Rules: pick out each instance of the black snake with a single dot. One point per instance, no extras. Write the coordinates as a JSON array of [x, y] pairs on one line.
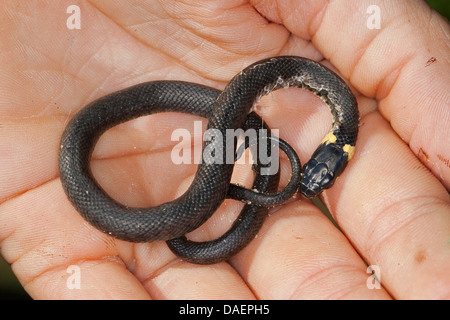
[[229, 109]]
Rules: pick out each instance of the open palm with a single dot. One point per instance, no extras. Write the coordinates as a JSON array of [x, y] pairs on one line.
[[391, 203]]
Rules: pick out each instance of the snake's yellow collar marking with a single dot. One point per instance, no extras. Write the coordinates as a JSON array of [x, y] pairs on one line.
[[329, 138], [349, 150]]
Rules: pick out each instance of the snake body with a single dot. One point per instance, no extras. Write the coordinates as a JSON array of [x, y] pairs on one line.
[[228, 109]]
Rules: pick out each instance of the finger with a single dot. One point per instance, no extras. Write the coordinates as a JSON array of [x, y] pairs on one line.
[[41, 90], [395, 212], [403, 65], [300, 254], [57, 255]]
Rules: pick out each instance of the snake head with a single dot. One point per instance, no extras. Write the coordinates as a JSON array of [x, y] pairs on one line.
[[320, 172]]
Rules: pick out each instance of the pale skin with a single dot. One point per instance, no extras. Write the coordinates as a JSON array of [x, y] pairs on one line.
[[391, 203]]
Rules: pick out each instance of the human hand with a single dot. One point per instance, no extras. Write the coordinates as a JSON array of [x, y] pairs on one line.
[[393, 212]]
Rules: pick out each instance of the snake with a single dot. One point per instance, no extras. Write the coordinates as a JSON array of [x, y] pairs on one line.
[[224, 110]]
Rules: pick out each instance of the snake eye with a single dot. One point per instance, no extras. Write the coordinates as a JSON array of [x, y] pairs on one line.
[[315, 179]]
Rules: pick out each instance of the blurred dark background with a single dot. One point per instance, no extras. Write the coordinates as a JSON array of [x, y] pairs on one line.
[[10, 287]]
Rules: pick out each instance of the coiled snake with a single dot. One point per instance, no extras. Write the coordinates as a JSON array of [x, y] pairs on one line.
[[229, 109]]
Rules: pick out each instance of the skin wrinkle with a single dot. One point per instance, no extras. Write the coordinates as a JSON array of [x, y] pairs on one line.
[[142, 200], [185, 268], [132, 153], [203, 74], [330, 55], [62, 110], [55, 268], [417, 133], [270, 232], [374, 244], [398, 68], [29, 75], [40, 246], [275, 7], [13, 261], [235, 52], [84, 65], [208, 11], [322, 274], [54, 273], [128, 29], [443, 39], [84, 192]]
